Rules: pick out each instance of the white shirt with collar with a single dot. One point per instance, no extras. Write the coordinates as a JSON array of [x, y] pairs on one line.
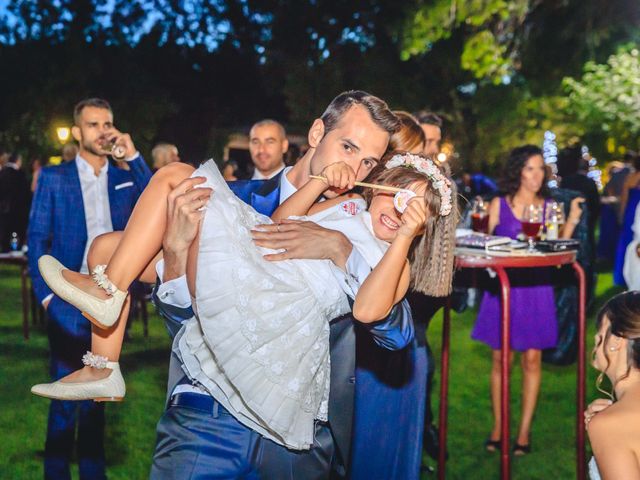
[[176, 293], [95, 197], [257, 174]]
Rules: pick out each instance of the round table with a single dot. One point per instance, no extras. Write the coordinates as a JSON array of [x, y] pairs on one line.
[[475, 258]]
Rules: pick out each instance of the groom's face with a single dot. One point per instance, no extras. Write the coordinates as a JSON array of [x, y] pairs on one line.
[[356, 140]]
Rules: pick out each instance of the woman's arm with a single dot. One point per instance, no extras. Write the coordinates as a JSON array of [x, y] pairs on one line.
[[387, 284], [338, 175], [300, 202], [575, 212], [494, 214]]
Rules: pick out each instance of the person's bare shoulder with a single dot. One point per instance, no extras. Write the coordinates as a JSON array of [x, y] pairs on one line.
[[613, 437], [620, 422]]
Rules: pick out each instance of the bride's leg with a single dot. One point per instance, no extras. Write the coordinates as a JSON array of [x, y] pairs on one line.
[[108, 343], [142, 238]]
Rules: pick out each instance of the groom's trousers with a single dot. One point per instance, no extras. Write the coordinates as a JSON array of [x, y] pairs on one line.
[[199, 439]]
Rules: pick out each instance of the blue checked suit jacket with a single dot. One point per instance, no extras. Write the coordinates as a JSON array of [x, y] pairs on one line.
[[57, 224]]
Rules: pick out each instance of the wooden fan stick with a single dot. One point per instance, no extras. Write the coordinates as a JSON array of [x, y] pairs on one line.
[[370, 185]]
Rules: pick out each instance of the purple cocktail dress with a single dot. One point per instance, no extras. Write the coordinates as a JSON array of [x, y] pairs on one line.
[[533, 310]]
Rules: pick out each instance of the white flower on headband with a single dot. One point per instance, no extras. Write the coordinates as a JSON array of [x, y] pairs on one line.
[[440, 183]]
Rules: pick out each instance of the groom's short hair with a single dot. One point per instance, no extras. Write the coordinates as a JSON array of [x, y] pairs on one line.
[[89, 102], [377, 108]]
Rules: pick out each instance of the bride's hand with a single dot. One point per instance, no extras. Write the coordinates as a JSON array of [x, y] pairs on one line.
[[594, 407], [339, 176], [413, 218]]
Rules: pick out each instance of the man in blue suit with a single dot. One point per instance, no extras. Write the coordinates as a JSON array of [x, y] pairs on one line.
[[73, 203], [197, 437]]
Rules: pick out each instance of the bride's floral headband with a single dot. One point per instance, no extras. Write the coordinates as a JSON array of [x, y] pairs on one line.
[[433, 173]]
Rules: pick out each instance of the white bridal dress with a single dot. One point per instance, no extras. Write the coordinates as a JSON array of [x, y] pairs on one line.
[[260, 340]]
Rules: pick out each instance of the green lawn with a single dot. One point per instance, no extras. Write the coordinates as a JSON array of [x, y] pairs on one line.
[[131, 425]]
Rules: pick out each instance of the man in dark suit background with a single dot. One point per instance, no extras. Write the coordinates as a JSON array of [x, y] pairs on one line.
[[268, 145], [15, 198], [355, 129], [73, 203]]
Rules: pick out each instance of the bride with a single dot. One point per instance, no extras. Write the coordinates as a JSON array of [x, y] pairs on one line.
[[614, 431]]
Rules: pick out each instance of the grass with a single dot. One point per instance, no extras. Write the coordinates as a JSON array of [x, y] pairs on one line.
[[131, 425], [130, 432]]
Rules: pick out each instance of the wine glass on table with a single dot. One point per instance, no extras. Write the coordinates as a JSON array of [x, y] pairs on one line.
[[531, 223], [479, 215]]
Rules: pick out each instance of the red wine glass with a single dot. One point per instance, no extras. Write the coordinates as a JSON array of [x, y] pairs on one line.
[[479, 215], [531, 223]]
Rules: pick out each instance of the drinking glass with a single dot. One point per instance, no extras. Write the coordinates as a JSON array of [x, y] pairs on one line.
[[531, 223], [554, 219], [111, 147], [479, 215]]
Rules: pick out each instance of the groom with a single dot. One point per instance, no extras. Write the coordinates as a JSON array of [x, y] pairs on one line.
[[196, 435]]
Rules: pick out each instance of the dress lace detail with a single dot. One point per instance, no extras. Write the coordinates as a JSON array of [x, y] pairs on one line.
[[260, 344], [594, 473]]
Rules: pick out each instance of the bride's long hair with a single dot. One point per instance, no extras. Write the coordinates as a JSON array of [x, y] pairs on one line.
[[432, 253]]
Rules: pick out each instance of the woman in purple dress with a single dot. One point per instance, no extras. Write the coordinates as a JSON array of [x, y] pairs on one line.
[[533, 313]]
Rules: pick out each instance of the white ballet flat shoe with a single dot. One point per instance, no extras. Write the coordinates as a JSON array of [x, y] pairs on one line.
[[109, 389], [102, 313]]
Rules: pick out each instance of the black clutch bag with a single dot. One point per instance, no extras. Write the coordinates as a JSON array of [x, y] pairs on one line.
[[557, 245]]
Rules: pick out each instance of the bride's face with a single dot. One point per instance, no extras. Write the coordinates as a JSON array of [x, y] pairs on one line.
[[385, 219]]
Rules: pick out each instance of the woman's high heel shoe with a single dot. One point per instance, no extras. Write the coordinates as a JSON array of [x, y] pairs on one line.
[[109, 389], [492, 445], [521, 450], [102, 313]]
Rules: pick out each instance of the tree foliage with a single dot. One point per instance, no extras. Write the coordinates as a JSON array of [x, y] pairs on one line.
[[492, 29], [607, 97], [189, 71]]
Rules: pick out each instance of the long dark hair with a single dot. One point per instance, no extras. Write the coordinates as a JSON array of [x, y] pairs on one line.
[[511, 178], [623, 312]]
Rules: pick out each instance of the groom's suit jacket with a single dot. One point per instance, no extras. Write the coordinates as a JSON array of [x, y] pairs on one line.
[[394, 333]]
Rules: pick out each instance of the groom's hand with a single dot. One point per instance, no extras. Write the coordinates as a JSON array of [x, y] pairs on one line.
[[184, 212], [301, 239]]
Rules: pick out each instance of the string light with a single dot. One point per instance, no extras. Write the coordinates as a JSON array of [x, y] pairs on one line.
[[550, 155], [593, 172]]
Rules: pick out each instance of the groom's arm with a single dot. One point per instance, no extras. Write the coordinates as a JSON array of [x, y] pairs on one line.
[[396, 331], [308, 240], [171, 295]]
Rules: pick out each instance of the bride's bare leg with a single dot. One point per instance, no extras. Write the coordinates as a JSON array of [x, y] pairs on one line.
[[108, 343], [142, 238]]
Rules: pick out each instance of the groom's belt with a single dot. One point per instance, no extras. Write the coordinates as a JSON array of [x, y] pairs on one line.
[[197, 401]]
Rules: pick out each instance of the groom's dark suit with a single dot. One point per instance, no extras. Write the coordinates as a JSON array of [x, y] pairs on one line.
[[332, 441]]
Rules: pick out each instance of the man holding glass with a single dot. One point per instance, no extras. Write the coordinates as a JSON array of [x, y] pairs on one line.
[[75, 202]]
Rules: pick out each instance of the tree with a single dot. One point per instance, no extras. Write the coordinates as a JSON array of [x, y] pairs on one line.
[[607, 98]]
